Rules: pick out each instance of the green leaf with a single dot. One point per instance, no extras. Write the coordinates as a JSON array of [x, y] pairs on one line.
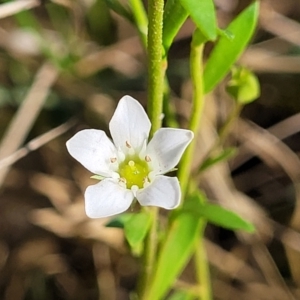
[[136, 228], [244, 86], [226, 51], [119, 221], [203, 14], [175, 252], [26, 19], [198, 38], [223, 156], [219, 216], [226, 34], [174, 17], [225, 218], [181, 295], [100, 24], [121, 10]]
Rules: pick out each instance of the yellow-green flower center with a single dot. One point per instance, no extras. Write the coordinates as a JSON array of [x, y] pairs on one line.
[[135, 171]]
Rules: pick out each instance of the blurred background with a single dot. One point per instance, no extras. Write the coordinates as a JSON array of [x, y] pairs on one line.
[[64, 64]]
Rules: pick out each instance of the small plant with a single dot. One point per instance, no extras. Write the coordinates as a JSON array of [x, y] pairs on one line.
[[130, 169]]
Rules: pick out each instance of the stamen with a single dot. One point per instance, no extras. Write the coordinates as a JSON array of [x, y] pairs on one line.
[[121, 179], [134, 170], [122, 182], [147, 158], [146, 182], [113, 160], [128, 145]]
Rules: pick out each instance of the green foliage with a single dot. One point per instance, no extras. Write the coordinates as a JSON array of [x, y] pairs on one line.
[[181, 295], [176, 12], [226, 51], [71, 43], [100, 23], [26, 19], [216, 214], [119, 221], [135, 225], [226, 34], [136, 228], [223, 156], [225, 218], [182, 237], [121, 10], [198, 38], [203, 14], [58, 15], [174, 17], [176, 251], [243, 86]]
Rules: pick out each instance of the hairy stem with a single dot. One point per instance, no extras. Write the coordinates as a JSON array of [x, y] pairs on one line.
[[156, 72], [156, 65]]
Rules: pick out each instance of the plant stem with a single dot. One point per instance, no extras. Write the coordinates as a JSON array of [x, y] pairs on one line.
[[149, 257], [223, 132], [156, 66], [233, 116], [141, 20], [202, 267], [156, 72], [196, 67]]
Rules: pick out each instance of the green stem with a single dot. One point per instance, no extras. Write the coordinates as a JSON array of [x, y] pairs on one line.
[[156, 66], [149, 256], [141, 20], [201, 263], [202, 267], [196, 66], [156, 72], [223, 132]]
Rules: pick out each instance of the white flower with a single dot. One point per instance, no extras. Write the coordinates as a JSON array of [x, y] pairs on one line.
[[130, 167]]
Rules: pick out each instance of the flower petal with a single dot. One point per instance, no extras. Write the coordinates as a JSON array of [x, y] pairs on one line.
[[163, 192], [93, 149], [166, 148], [106, 198], [129, 125]]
